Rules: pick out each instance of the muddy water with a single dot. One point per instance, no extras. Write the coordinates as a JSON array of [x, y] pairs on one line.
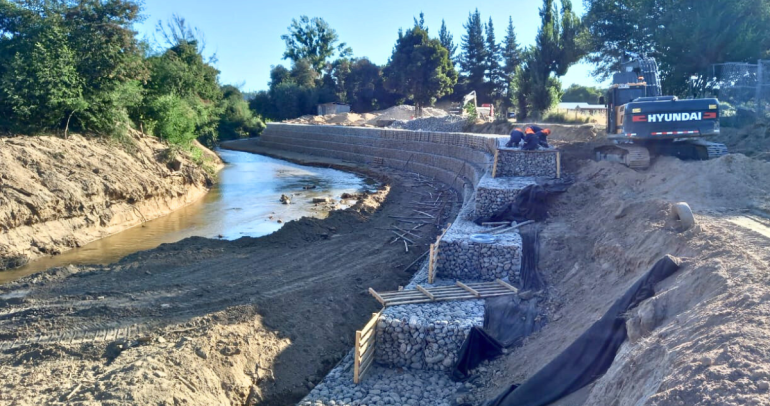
[[244, 202]]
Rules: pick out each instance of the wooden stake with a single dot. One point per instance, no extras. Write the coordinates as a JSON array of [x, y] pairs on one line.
[[431, 259], [494, 166], [357, 359], [558, 165]]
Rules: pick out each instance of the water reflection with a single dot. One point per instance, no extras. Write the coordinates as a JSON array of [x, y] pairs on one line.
[[244, 202]]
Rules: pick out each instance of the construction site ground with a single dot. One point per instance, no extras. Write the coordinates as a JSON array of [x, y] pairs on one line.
[[259, 321]]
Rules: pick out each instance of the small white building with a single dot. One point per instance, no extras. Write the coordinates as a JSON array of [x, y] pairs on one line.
[[583, 108]]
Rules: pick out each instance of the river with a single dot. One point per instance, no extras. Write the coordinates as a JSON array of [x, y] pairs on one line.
[[244, 202]]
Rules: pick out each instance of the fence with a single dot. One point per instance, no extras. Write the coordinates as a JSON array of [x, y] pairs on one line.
[[364, 350], [742, 85]]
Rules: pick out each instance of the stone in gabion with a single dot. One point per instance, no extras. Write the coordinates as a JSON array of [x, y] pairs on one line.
[[516, 162], [493, 194], [425, 336]]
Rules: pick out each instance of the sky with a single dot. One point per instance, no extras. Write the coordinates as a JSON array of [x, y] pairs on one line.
[[246, 35]]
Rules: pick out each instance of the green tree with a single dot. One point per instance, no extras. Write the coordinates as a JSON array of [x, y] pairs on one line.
[[365, 87], [511, 54], [237, 120], [447, 41], [685, 36], [494, 74], [473, 55], [302, 73], [582, 94], [558, 46], [313, 40], [419, 68]]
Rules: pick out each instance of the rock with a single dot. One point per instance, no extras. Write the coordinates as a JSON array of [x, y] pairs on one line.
[[320, 200], [199, 352], [160, 339], [285, 199], [763, 386]]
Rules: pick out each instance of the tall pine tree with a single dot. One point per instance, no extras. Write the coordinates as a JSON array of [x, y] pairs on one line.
[[473, 58], [447, 41], [511, 52], [494, 78], [511, 62]]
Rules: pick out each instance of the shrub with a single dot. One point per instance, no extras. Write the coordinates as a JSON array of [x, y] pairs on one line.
[[171, 118]]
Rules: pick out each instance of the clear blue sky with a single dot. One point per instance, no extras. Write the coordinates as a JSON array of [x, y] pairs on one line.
[[246, 34]]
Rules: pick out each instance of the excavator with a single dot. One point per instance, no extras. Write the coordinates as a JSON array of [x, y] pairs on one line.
[[641, 122]]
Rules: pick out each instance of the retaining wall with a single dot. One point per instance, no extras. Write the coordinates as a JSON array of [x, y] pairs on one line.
[[425, 336], [539, 163], [493, 194], [456, 159]]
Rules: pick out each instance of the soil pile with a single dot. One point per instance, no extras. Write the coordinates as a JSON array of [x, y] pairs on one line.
[[56, 194], [368, 119], [754, 140], [701, 339]]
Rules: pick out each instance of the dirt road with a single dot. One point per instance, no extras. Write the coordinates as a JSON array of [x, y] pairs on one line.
[[252, 321]]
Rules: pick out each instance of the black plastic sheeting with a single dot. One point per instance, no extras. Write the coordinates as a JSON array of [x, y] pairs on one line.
[[530, 253], [507, 322], [530, 204], [591, 355]]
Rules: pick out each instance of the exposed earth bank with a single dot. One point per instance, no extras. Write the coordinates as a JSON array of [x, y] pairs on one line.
[[204, 322], [57, 194]]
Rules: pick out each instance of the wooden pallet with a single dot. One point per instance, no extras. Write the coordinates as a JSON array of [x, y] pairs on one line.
[[459, 291]]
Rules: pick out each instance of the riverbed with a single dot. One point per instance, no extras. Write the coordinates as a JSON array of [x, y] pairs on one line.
[[245, 201]]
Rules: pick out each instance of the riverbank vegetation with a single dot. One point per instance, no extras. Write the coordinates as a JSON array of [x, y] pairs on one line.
[[69, 66]]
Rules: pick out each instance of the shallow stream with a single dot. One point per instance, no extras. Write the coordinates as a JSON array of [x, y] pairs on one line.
[[244, 202]]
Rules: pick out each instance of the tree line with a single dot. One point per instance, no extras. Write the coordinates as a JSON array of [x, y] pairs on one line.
[[79, 66]]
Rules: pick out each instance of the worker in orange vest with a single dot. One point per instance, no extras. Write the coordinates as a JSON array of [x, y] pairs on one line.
[[516, 137]]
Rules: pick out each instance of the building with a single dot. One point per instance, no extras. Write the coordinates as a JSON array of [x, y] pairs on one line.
[[333, 108], [583, 108]]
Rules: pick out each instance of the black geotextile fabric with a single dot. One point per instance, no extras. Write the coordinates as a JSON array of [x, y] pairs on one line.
[[530, 252], [529, 204], [507, 322], [591, 355]]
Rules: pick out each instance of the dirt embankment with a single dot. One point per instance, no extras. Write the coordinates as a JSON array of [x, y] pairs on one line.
[[204, 322], [57, 194], [702, 339]]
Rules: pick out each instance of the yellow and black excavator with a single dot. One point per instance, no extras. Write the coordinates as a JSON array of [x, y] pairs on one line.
[[642, 122]]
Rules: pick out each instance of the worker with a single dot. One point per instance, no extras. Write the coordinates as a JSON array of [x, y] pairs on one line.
[[516, 137], [542, 138], [531, 140], [541, 134]]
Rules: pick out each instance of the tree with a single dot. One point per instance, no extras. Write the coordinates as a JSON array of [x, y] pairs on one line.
[[447, 41], [511, 54], [421, 22], [278, 75], [686, 36], [419, 68], [511, 51], [558, 46], [494, 74], [473, 58], [313, 40], [582, 94], [302, 73], [237, 120]]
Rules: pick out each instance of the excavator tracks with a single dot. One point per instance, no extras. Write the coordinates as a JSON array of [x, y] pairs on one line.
[[633, 156]]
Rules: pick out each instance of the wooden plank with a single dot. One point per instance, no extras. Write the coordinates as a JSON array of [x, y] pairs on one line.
[[376, 296], [371, 323], [494, 166], [474, 292], [507, 286], [356, 362], [365, 367], [558, 165], [431, 260], [367, 343], [426, 293]]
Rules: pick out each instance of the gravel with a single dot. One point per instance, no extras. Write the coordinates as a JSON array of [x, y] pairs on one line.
[[516, 162], [384, 386]]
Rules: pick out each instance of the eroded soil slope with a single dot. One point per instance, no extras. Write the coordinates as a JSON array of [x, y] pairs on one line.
[[703, 339], [56, 194]]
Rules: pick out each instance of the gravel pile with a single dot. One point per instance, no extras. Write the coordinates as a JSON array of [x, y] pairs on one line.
[[493, 194], [383, 386], [450, 124], [405, 112], [426, 336], [515, 162]]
